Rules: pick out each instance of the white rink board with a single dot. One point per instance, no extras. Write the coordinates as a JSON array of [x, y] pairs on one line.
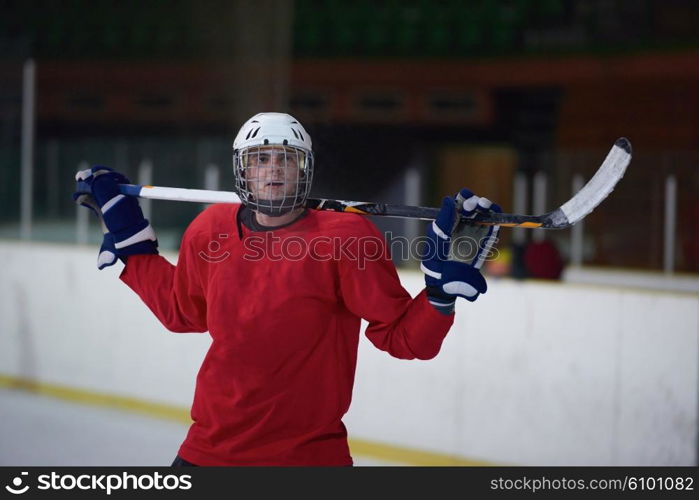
[[546, 374], [532, 373], [62, 321]]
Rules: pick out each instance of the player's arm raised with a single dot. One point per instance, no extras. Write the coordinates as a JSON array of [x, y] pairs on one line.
[[170, 292], [405, 327]]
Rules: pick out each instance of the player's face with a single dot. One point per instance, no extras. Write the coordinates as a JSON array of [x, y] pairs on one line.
[[272, 172]]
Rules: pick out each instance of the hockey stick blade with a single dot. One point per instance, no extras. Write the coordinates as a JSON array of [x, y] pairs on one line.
[[598, 188], [584, 201]]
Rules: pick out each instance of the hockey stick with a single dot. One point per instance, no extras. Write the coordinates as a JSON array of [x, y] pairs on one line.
[[581, 204]]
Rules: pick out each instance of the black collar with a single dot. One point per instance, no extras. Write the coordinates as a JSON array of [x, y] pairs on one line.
[[246, 217]]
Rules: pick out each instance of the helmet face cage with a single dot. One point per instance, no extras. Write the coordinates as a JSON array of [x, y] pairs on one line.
[[273, 179]]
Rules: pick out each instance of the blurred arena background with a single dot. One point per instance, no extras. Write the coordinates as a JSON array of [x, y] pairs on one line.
[[406, 101]]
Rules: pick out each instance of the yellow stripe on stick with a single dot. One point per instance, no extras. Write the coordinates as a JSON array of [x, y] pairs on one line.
[[355, 210]]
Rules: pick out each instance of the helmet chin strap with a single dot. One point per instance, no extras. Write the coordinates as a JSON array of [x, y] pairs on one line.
[[275, 210], [273, 207]]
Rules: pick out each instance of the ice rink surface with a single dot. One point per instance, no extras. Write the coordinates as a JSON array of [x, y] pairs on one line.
[[44, 431]]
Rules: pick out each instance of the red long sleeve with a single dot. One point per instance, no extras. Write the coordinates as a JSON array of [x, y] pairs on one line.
[[173, 293], [404, 327]]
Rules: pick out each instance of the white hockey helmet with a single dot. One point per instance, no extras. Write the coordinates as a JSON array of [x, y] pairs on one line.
[[258, 136]]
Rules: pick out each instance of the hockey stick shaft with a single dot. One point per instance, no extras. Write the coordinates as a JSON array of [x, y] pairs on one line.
[[584, 201], [363, 208]]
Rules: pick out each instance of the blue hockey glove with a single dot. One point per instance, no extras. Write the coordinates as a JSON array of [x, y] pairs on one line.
[[126, 230], [457, 250]]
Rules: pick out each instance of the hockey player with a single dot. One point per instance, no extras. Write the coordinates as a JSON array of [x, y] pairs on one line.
[[278, 377]]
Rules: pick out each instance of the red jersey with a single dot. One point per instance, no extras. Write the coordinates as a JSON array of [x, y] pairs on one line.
[[283, 308]]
